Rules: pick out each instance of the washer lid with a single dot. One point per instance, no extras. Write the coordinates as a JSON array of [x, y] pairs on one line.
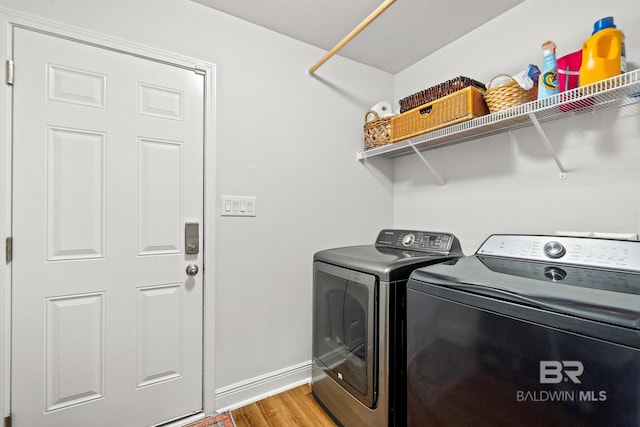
[[602, 295]]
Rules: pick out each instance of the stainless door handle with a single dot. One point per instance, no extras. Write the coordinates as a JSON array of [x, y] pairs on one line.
[[192, 269]]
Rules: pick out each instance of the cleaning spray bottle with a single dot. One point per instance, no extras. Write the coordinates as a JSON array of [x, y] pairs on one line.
[[548, 81]]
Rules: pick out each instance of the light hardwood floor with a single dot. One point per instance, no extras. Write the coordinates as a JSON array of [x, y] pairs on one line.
[[293, 408]]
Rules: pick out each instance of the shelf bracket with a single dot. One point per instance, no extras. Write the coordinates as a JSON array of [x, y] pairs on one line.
[[543, 136], [421, 157]]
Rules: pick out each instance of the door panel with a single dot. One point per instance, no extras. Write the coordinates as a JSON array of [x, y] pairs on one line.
[[160, 327], [160, 196], [75, 346], [75, 194], [108, 167]]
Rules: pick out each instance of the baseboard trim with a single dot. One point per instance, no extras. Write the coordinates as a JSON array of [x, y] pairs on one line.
[[246, 392]]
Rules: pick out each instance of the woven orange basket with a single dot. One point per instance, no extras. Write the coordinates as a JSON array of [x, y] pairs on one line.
[[460, 106], [438, 91], [509, 94], [377, 130]]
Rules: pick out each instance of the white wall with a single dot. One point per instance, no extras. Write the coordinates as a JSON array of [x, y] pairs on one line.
[[284, 137], [509, 183], [291, 140]]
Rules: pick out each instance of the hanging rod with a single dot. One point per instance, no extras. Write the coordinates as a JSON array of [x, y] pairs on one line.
[[352, 34]]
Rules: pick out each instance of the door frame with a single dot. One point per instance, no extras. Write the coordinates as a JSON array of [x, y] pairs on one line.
[[9, 19]]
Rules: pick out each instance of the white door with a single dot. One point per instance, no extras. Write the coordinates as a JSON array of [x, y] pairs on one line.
[[107, 169]]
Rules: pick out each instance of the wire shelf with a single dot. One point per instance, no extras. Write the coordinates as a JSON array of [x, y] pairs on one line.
[[620, 92]]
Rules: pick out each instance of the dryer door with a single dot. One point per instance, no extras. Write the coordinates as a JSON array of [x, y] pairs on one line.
[[345, 326]]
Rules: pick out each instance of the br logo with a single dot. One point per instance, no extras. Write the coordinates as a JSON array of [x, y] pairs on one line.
[[556, 371]]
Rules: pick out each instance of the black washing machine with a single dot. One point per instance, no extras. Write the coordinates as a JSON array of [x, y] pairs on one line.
[[359, 324], [530, 331]]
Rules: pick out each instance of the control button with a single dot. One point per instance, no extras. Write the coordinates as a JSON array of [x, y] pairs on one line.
[[408, 239], [554, 250], [555, 274]]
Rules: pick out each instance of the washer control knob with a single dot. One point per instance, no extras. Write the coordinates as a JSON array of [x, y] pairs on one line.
[[554, 250], [408, 239], [555, 274]]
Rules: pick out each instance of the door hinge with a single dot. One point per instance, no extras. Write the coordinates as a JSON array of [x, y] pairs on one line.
[[7, 421], [9, 249], [9, 72]]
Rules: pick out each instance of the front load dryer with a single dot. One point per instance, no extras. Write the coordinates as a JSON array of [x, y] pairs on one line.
[[359, 324]]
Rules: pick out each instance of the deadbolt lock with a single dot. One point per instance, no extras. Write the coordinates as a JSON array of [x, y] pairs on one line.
[[191, 238]]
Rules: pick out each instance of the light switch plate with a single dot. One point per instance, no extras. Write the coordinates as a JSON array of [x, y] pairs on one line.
[[238, 206]]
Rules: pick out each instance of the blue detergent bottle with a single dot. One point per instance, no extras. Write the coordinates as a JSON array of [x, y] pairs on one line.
[[548, 81]]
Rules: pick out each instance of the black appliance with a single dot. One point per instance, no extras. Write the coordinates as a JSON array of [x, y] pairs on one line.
[[359, 324], [530, 331]]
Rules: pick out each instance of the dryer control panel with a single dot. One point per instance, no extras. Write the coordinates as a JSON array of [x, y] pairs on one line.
[[425, 241]]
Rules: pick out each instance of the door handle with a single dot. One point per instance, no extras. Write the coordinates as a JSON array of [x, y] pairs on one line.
[[192, 269]]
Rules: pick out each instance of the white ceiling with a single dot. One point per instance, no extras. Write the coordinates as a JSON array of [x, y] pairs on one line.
[[406, 32]]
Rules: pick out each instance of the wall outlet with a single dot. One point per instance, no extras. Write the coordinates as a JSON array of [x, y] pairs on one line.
[[238, 206]]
